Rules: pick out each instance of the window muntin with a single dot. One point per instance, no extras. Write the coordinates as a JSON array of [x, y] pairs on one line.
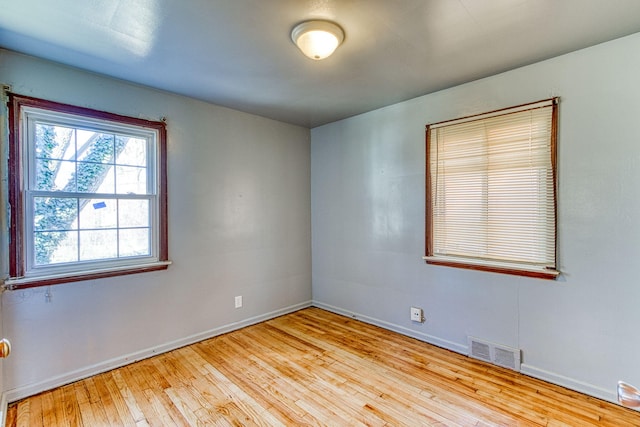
[[491, 191], [87, 195]]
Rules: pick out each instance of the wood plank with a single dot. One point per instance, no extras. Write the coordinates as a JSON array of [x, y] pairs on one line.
[[249, 406], [315, 368], [98, 406], [87, 415], [12, 415], [127, 396], [48, 409], [23, 416], [117, 411]]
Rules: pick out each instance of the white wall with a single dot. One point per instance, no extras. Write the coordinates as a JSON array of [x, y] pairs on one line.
[[368, 204], [239, 224]]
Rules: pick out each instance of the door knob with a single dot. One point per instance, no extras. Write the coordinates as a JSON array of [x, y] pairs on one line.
[[5, 348]]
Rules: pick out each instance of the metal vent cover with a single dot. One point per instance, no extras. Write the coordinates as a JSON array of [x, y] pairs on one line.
[[480, 350], [497, 354]]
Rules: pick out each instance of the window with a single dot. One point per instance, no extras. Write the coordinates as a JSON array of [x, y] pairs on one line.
[[87, 192], [491, 191]]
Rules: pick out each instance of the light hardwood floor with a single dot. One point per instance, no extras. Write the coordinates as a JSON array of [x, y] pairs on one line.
[[313, 367]]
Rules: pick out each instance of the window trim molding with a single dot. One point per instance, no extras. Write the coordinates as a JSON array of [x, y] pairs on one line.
[[16, 186], [540, 274], [429, 258], [57, 279]]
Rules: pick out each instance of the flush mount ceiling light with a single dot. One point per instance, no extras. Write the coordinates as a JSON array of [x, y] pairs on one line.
[[317, 39]]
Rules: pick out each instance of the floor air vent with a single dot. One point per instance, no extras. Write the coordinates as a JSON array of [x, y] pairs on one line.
[[480, 350], [494, 353]]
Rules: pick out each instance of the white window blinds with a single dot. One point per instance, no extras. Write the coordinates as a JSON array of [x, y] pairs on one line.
[[491, 201]]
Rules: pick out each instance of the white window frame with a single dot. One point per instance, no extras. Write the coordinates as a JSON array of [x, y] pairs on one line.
[[25, 112]]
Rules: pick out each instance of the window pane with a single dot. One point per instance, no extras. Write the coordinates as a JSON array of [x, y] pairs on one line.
[[52, 213], [55, 175], [135, 242], [54, 142], [132, 151], [54, 247], [131, 180], [98, 244], [95, 178], [95, 147], [133, 213], [97, 213]]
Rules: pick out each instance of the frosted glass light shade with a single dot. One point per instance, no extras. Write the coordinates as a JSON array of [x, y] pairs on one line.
[[317, 39]]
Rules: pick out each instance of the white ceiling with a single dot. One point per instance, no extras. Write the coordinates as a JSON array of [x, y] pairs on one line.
[[238, 53]]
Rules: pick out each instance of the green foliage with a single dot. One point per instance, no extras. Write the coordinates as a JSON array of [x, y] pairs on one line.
[[54, 215]]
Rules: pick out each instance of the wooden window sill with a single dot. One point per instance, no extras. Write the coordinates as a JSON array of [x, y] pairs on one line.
[[56, 279], [504, 269]]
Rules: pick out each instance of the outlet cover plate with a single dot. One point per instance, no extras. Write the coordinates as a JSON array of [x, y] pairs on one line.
[[416, 315], [239, 301]]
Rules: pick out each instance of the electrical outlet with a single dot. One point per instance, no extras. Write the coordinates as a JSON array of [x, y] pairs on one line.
[[239, 301], [417, 315]]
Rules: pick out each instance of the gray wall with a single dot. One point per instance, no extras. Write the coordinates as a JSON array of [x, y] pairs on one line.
[[368, 204], [239, 224]]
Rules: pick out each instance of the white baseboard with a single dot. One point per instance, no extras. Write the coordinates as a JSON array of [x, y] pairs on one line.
[[532, 371], [570, 383], [4, 405], [79, 374], [449, 345]]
